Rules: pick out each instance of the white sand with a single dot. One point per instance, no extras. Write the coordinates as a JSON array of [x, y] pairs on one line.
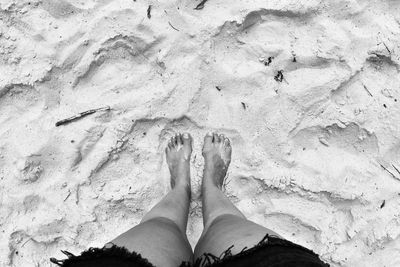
[[307, 151]]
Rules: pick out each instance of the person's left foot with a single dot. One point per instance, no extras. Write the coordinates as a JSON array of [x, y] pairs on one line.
[[178, 153]]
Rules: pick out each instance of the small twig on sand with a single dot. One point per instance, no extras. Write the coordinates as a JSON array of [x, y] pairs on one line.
[[26, 242], [366, 89], [394, 176], [201, 5], [69, 193], [149, 12], [396, 168], [387, 48], [173, 26], [81, 115]]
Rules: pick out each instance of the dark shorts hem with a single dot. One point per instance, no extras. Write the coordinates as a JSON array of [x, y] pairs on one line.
[[105, 257], [271, 251]]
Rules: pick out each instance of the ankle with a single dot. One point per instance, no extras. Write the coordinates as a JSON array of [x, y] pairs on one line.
[[183, 186], [209, 183], [214, 176]]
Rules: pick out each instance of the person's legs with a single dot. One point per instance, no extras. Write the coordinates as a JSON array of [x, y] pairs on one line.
[[224, 224], [161, 235]]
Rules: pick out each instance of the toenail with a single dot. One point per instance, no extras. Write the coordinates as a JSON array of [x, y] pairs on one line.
[[186, 135]]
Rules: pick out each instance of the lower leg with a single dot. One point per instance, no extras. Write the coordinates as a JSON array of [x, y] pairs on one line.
[[161, 235], [217, 155], [224, 224], [174, 206], [214, 201]]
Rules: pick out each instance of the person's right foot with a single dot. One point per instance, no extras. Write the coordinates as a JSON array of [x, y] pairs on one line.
[[217, 152]]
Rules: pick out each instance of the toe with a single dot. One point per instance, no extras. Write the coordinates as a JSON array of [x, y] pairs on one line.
[[222, 138], [208, 138], [175, 139], [187, 139], [171, 143], [227, 142], [227, 145], [179, 139], [216, 138]]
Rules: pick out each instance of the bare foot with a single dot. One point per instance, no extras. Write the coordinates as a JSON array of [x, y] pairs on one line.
[[178, 153], [217, 152]]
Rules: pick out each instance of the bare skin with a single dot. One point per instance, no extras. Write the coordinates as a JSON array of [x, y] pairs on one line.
[[217, 153], [178, 153], [224, 224], [161, 235]]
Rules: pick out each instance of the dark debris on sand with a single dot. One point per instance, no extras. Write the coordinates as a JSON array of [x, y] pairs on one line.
[[268, 62], [200, 5], [81, 115], [279, 76], [149, 12], [172, 26]]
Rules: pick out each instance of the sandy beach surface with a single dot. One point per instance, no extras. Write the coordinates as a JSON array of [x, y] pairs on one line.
[[308, 92]]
